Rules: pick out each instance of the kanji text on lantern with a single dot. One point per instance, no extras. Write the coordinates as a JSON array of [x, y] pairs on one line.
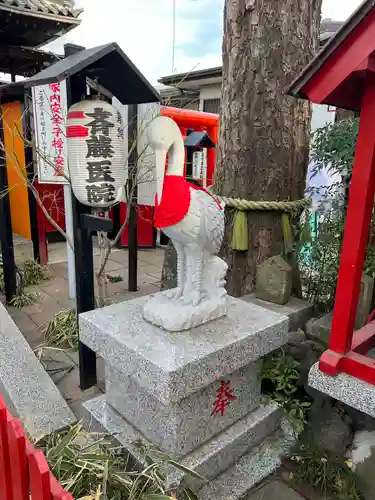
[[99, 153]]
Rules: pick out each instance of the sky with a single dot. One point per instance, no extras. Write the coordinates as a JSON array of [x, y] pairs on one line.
[[144, 30]]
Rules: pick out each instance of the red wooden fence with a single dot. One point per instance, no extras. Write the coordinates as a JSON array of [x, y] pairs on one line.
[[24, 472]]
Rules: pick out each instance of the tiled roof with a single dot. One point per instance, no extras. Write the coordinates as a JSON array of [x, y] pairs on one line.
[[42, 7]]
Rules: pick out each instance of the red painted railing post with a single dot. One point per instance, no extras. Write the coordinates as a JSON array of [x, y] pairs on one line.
[[57, 493], [39, 475], [18, 460], [24, 472], [5, 479]]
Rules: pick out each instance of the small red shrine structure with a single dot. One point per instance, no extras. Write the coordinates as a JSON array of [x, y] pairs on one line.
[[343, 75]]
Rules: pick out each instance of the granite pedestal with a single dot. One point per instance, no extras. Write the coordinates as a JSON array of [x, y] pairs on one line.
[[165, 389]]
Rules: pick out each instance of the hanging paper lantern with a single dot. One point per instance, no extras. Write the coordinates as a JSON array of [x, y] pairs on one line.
[[96, 153]]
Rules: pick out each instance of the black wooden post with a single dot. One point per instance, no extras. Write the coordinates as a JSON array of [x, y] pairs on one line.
[[133, 188], [29, 159], [83, 254], [6, 233]]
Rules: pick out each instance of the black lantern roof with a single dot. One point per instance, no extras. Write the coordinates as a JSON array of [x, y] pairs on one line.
[[33, 23], [199, 140], [107, 65]]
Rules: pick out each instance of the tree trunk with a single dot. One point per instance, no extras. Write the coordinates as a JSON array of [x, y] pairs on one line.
[[169, 272], [264, 135]]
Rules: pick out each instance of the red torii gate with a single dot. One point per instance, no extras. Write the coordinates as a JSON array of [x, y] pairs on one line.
[[343, 75]]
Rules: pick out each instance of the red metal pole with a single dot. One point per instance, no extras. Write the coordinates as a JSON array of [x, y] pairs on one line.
[[356, 228]]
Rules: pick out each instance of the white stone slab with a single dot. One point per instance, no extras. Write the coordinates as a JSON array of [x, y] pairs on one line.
[[298, 311], [176, 364], [345, 388], [209, 460], [28, 391]]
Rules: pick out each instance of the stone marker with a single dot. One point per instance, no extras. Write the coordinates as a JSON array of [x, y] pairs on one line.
[[274, 280], [365, 301]]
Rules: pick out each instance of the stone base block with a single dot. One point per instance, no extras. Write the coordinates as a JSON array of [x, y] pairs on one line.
[[167, 383], [345, 388], [182, 426], [217, 455], [176, 316], [172, 365], [251, 468], [298, 311]]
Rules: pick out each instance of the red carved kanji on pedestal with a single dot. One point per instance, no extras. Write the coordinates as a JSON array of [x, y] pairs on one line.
[[343, 75], [224, 396]]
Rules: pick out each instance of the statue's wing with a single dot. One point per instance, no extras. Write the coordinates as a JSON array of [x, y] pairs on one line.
[[211, 219]]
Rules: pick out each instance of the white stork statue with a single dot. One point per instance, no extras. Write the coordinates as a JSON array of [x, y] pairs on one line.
[[190, 216]]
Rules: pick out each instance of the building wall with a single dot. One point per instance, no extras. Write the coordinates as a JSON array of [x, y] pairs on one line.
[[16, 168], [208, 93], [321, 115], [193, 105], [177, 102]]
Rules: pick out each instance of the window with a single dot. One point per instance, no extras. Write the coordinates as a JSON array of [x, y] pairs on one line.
[[211, 106]]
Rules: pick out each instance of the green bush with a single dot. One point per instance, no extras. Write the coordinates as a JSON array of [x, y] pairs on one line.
[[280, 374], [333, 149]]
